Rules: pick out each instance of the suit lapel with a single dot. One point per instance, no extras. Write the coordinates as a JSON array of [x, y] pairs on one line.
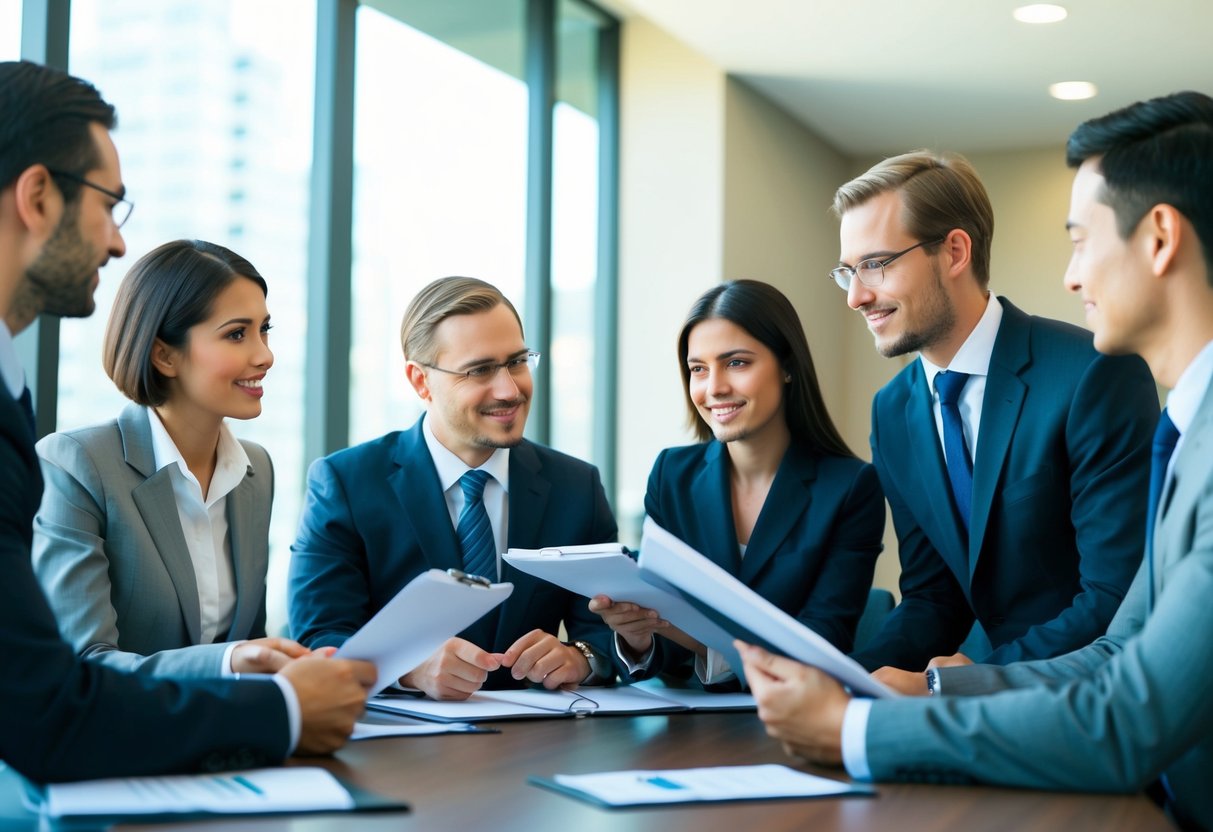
[[936, 490], [528, 500], [158, 508], [787, 502], [242, 531], [419, 492], [711, 493], [1183, 490], [1000, 411]]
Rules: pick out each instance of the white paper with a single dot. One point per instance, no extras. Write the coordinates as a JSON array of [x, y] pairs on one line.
[[697, 699], [430, 609], [254, 791], [371, 726], [606, 569], [514, 704], [671, 560], [627, 788]]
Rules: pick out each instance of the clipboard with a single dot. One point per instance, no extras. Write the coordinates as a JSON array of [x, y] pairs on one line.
[[744, 613], [608, 569], [426, 612]]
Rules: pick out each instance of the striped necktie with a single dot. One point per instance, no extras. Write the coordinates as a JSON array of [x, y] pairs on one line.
[[475, 531]]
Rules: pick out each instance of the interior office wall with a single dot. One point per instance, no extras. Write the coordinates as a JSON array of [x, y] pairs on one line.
[[671, 192], [719, 182]]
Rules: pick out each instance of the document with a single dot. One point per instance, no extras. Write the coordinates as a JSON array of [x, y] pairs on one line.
[[495, 705], [744, 613], [698, 699], [374, 725], [607, 569], [256, 791], [430, 609], [619, 789]]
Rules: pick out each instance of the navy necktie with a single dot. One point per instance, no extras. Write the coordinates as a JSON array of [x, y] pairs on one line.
[[1166, 435], [960, 464], [475, 531], [27, 407]]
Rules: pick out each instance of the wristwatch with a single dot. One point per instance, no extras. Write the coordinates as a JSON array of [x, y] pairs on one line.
[[932, 681], [592, 658]]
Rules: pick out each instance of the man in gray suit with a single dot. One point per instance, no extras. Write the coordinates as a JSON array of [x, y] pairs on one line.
[[1132, 709]]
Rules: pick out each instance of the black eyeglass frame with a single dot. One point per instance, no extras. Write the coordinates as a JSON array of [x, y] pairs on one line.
[[843, 275], [118, 198]]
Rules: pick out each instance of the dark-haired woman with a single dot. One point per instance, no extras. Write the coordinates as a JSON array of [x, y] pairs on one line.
[[152, 539], [771, 493]]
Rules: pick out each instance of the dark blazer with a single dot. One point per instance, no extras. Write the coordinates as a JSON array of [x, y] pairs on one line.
[[375, 518], [813, 549], [112, 558], [1109, 717], [1059, 500], [64, 718]]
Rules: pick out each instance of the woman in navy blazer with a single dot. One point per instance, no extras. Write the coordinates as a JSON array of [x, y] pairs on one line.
[[152, 539], [771, 493]]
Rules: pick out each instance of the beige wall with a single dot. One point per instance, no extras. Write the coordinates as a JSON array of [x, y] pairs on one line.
[[717, 182]]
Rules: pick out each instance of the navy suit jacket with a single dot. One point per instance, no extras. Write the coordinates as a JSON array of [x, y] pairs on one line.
[[375, 518], [65, 718], [1059, 500], [814, 546]]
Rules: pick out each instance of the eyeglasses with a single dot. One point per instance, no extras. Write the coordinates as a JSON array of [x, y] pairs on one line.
[[485, 373], [871, 272], [120, 211]]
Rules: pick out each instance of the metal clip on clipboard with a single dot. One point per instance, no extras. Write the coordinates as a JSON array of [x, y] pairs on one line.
[[469, 579]]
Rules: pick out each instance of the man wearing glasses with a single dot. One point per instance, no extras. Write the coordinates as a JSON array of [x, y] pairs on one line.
[[1015, 458], [453, 492], [64, 718]]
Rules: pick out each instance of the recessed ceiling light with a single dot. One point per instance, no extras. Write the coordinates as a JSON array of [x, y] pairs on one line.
[[1072, 90], [1039, 13]]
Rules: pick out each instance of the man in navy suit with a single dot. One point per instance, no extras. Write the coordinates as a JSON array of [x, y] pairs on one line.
[[381, 513], [63, 718], [1015, 457]]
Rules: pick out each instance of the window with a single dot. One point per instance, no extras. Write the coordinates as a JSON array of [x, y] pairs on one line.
[[176, 71], [439, 182], [10, 30]]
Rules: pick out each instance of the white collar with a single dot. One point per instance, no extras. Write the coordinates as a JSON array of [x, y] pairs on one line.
[[974, 354], [1185, 398], [231, 462], [450, 467], [10, 365]]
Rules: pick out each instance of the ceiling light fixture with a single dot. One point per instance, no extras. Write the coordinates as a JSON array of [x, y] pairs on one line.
[[1040, 13], [1072, 90]]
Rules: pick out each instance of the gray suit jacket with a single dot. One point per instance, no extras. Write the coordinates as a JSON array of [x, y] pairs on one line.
[[111, 556], [1111, 716]]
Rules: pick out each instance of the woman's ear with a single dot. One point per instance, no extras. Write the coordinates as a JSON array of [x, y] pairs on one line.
[[165, 359]]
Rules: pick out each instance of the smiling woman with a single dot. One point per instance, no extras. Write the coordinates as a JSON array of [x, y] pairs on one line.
[[152, 538]]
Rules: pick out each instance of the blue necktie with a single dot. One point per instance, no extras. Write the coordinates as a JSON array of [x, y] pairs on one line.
[[27, 407], [1166, 435], [960, 464], [475, 531]]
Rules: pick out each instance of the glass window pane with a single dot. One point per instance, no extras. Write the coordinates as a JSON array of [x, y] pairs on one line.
[[439, 179], [215, 137], [10, 30], [574, 231]]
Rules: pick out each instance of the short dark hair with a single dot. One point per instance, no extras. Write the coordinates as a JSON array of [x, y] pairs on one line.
[[1154, 152], [167, 291], [44, 119], [765, 313]]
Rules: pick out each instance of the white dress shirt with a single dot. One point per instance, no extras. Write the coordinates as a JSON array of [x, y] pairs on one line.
[[496, 489], [1184, 399]]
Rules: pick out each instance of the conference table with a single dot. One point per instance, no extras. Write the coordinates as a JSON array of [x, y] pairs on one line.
[[479, 782]]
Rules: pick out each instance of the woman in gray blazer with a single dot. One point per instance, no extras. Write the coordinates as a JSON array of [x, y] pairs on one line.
[[151, 542]]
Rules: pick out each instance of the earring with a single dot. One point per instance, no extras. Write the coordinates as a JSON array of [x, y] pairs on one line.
[[787, 378]]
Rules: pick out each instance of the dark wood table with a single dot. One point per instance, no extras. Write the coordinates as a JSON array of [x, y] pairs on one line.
[[478, 782]]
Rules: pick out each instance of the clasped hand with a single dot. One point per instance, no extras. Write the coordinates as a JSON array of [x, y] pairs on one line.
[[459, 668]]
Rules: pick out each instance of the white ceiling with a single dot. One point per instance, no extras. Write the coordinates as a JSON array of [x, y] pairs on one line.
[[882, 76]]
